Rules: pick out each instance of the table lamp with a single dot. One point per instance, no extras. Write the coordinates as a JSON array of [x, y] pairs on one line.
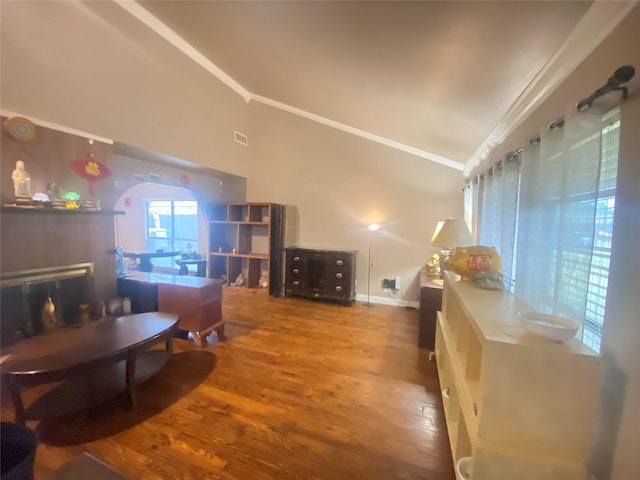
[[448, 235]]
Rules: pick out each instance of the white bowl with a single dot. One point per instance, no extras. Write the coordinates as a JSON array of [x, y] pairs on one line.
[[552, 327], [463, 468]]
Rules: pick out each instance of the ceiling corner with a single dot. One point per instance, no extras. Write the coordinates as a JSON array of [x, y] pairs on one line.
[[596, 24]]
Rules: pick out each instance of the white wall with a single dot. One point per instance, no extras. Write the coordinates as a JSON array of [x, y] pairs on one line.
[[341, 183]]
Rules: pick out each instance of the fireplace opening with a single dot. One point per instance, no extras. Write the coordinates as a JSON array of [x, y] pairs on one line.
[[24, 293]]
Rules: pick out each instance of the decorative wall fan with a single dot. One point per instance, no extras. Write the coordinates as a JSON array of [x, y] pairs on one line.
[[20, 128]]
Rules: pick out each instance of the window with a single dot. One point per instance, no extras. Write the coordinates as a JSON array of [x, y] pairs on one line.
[[172, 225], [552, 219]]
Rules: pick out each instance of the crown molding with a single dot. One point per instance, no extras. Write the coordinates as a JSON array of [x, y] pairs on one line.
[[174, 39], [58, 127], [151, 21], [360, 133], [596, 24]]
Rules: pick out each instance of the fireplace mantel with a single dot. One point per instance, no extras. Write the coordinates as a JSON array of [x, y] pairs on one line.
[[56, 211]]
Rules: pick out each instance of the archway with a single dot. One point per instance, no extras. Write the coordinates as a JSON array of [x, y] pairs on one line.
[[160, 217]]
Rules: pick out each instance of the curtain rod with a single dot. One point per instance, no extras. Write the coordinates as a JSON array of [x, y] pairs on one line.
[[622, 75]]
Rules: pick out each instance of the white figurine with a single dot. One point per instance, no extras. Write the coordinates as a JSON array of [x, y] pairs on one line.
[[21, 181]]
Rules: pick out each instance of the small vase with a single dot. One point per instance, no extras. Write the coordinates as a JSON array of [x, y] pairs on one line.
[[83, 317], [48, 317]]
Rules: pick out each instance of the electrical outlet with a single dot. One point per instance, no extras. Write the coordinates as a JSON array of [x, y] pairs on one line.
[[391, 283]]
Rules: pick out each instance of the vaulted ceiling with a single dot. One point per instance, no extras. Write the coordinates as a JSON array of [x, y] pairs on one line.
[[443, 80], [437, 77]]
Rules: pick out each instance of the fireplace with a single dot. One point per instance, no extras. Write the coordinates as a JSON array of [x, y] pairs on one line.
[[24, 293]]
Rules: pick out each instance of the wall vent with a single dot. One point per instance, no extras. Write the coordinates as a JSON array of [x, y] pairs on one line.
[[240, 137]]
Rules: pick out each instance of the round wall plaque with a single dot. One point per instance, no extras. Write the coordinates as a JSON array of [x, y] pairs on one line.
[[20, 128]]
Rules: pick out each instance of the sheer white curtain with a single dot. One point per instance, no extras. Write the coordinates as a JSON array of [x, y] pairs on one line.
[[548, 210], [565, 219], [499, 213], [510, 196], [491, 219], [469, 204]]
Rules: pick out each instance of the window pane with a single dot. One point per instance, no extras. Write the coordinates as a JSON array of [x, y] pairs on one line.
[[186, 226], [158, 225], [172, 226]]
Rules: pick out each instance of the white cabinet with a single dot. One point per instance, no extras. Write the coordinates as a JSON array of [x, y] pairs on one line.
[[521, 406]]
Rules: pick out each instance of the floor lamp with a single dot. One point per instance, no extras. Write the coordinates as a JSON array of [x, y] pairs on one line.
[[372, 228]]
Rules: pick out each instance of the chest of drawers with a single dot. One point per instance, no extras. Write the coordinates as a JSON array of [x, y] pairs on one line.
[[321, 273]]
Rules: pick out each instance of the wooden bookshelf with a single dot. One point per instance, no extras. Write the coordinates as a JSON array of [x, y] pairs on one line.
[[247, 238]]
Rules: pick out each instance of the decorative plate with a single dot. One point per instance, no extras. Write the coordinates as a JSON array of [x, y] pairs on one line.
[[20, 128]]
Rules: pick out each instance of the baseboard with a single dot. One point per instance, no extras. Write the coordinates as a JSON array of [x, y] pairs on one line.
[[395, 302]]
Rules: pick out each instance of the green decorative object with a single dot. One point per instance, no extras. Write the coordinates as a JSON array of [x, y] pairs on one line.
[[72, 200]]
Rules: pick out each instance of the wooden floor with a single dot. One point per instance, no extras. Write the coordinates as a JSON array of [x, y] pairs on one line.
[[300, 390]]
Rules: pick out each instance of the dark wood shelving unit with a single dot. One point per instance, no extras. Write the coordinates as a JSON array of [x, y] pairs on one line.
[[247, 238]]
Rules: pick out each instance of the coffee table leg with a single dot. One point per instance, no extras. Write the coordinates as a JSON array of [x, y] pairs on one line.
[[17, 400], [169, 345], [131, 379]]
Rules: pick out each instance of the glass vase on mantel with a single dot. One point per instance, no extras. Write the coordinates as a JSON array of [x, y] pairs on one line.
[[120, 272], [83, 315]]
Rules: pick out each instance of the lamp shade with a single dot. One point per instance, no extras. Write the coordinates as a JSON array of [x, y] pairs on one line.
[[437, 230], [453, 233]]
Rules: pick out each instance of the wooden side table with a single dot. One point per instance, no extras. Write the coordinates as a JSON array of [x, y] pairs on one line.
[[430, 304]]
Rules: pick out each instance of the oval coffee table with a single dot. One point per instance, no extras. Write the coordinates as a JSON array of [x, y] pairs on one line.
[[95, 362]]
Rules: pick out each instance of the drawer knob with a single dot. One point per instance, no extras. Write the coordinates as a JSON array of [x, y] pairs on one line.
[[338, 262], [295, 270], [338, 288], [296, 259], [296, 283], [446, 393], [338, 275]]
